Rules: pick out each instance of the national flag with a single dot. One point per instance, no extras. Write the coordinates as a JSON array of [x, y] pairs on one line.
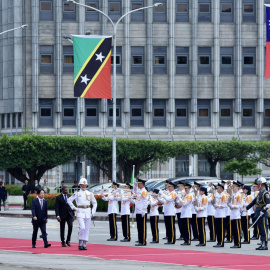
[[267, 59], [92, 66], [132, 176]]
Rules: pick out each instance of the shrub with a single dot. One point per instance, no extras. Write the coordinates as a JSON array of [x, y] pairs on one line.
[[14, 190]]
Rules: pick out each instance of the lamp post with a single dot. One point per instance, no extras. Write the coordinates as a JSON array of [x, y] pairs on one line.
[[13, 29], [114, 25]]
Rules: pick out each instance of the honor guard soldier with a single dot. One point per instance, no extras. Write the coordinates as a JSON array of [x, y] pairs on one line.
[[201, 209], [83, 199], [113, 210], [194, 221], [125, 197], [186, 213], [235, 203], [260, 202], [254, 194], [211, 213], [247, 199], [154, 216], [227, 222], [178, 208], [220, 214], [141, 212], [169, 212]]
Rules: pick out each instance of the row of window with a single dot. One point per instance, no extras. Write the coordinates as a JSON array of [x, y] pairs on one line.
[[182, 7], [11, 120], [137, 112], [138, 60]]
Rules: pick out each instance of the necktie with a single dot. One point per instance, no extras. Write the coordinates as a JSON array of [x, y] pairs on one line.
[[65, 196], [41, 204]]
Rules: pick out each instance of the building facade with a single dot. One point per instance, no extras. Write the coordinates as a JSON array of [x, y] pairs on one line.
[[187, 70]]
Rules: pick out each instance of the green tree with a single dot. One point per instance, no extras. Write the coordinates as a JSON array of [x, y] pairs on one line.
[[242, 167]]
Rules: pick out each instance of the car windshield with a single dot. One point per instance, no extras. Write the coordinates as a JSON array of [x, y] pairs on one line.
[[159, 185], [151, 184]]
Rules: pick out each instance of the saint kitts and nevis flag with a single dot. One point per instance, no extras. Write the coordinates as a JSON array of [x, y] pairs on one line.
[[92, 66], [267, 60]]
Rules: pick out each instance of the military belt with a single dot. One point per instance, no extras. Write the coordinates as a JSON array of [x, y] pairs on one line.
[[84, 206], [260, 206]]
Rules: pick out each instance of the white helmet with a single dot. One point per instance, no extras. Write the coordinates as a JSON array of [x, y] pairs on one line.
[[261, 180], [83, 181]]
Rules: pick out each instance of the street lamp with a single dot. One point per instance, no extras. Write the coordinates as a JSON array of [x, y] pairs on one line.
[[13, 29], [114, 25]]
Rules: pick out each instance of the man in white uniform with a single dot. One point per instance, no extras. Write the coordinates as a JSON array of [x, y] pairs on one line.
[[83, 199]]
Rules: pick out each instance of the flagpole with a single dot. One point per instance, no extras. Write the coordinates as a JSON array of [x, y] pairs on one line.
[[114, 25]]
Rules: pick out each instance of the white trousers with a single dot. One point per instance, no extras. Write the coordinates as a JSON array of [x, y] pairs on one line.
[[84, 226]]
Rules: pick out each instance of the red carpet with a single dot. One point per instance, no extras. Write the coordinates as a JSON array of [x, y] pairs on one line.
[[181, 257]]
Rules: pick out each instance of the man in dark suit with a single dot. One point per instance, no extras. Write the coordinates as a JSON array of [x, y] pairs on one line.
[[39, 218], [26, 191], [36, 187], [64, 215], [3, 194]]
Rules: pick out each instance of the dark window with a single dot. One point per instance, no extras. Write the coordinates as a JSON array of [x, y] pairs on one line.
[[118, 60], [19, 120], [90, 14], [267, 113], [46, 59], [91, 112], [69, 112], [137, 57], [249, 11], [249, 60], [115, 9], [225, 110], [226, 63], [160, 60], [46, 10], [182, 60], [68, 61], [226, 10], [182, 11], [3, 121], [118, 113], [204, 11], [137, 16], [136, 112], [204, 115], [266, 121], [8, 120], [14, 120], [160, 12], [182, 166], [204, 65], [159, 112], [248, 115], [203, 166], [45, 112], [181, 112], [69, 11]]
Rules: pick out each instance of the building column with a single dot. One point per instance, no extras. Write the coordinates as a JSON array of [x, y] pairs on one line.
[[149, 68], [194, 67], [216, 65]]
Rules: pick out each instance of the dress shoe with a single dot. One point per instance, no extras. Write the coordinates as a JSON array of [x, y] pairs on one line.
[[125, 240], [33, 246], [169, 243], [245, 242], [47, 245], [84, 248], [195, 239], [262, 248], [218, 246], [68, 243], [165, 238], [81, 248], [154, 242], [185, 244], [111, 239], [235, 246], [211, 240], [139, 245], [63, 244], [254, 238], [200, 245], [227, 241]]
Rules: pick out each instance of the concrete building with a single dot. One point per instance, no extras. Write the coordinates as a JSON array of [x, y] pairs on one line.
[[187, 70]]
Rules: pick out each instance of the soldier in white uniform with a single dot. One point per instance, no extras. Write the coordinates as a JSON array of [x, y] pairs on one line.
[[194, 221], [211, 213], [83, 199], [169, 212], [236, 204], [254, 194], [220, 214], [154, 216], [201, 209], [178, 208], [125, 197], [113, 210], [141, 203]]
